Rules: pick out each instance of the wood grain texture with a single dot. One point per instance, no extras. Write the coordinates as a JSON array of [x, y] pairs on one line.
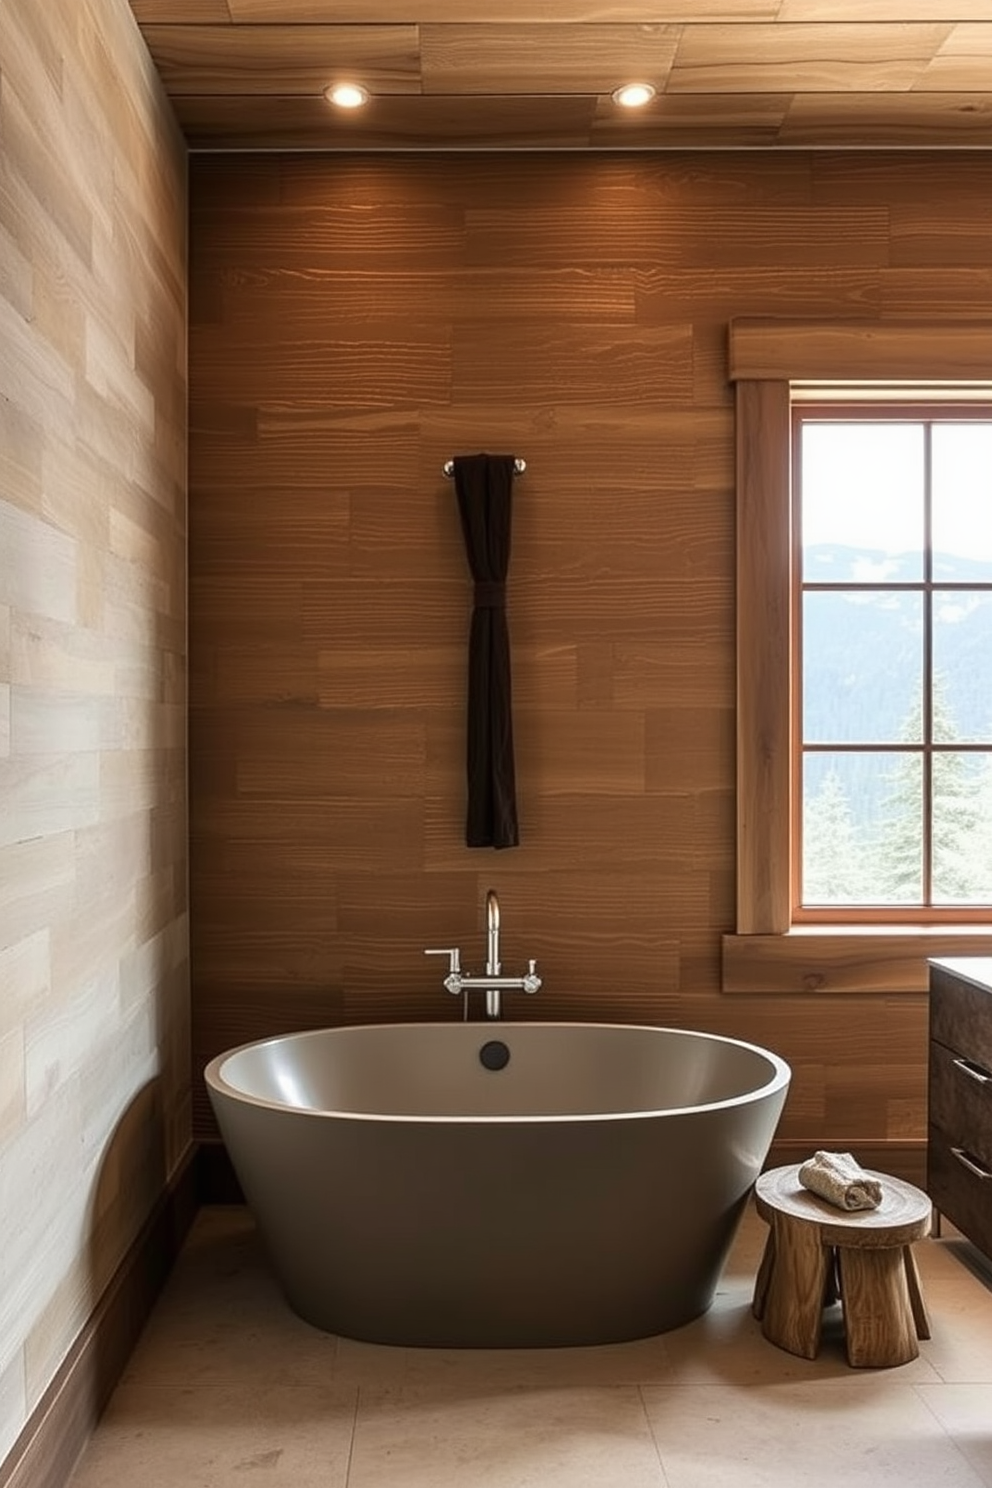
[[807, 58], [396, 122], [572, 310], [227, 60], [866, 350], [542, 58], [816, 1253], [898, 11], [887, 120], [727, 73], [859, 962], [309, 12], [764, 558], [94, 968]]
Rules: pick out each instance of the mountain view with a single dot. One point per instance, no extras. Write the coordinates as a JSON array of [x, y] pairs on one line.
[[864, 651]]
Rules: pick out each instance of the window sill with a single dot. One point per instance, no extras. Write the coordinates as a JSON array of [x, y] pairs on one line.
[[844, 958]]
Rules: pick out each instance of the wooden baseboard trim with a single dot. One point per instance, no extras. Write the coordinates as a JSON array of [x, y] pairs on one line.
[[906, 1160], [63, 1420]]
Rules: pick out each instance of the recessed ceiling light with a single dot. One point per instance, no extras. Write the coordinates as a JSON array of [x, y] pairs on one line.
[[346, 95], [633, 95]]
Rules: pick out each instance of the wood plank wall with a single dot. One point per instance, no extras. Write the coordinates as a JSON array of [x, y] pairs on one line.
[[94, 987], [355, 322]]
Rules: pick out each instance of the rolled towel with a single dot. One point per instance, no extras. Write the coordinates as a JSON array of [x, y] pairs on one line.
[[837, 1177]]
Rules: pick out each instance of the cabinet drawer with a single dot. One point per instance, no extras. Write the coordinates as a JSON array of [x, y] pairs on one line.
[[960, 1101], [961, 1016], [959, 1192]]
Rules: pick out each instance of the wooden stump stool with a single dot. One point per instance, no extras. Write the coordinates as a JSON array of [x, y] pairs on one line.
[[815, 1252]]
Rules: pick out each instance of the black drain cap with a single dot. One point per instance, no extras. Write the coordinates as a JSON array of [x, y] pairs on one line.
[[494, 1055]]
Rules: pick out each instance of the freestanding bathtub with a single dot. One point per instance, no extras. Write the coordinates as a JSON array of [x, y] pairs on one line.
[[497, 1184]]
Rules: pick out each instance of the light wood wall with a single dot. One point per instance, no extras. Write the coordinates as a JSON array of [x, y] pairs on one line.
[[94, 1001], [357, 321]]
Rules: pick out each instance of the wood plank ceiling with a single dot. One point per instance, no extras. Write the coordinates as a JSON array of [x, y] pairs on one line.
[[538, 74]]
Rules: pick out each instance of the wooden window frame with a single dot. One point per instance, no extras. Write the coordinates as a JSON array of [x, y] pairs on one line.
[[768, 953]]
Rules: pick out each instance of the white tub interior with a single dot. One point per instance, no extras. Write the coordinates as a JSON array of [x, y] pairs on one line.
[[553, 1070]]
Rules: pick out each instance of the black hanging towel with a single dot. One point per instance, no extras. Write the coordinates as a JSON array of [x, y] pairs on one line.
[[484, 486]]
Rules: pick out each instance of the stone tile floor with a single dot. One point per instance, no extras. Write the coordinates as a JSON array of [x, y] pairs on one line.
[[229, 1389]]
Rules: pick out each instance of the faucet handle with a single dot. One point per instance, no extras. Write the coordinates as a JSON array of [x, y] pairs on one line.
[[532, 982], [453, 980]]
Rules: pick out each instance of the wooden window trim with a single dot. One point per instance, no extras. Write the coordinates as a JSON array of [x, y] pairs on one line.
[[768, 953]]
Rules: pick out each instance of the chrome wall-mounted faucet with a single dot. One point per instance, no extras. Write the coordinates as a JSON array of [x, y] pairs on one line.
[[459, 983], [493, 967]]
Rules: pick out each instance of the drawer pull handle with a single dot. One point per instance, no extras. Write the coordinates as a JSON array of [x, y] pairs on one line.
[[970, 1163], [974, 1070]]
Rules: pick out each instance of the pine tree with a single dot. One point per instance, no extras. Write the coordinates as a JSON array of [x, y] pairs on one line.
[[983, 840], [958, 874], [897, 849], [832, 863], [960, 846]]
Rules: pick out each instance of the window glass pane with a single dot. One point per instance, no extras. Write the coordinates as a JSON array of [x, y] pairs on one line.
[[834, 831], [962, 828], [962, 502], [862, 667], [962, 651], [862, 829], [862, 502]]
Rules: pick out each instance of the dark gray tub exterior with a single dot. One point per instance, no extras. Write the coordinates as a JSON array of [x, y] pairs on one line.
[[587, 1192]]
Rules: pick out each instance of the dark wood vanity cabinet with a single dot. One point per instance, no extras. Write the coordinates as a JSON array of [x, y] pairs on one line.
[[959, 1137]]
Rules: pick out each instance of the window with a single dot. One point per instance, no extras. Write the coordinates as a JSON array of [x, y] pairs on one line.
[[892, 619], [781, 945]]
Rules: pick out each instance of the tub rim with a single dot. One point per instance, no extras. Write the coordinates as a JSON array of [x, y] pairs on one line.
[[779, 1079]]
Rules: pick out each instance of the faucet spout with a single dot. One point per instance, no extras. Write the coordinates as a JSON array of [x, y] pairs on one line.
[[460, 983], [492, 952], [493, 967]]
